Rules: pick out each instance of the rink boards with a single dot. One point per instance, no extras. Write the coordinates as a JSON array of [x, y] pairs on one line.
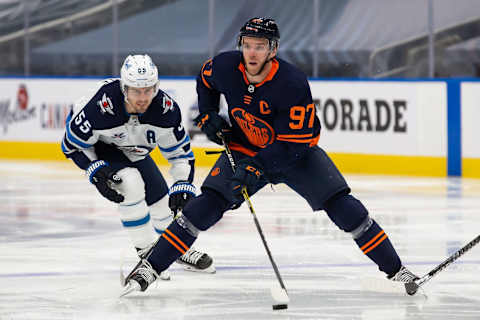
[[423, 128]]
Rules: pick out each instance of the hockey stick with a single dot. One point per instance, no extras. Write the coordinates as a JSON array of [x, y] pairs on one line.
[[209, 152], [279, 295], [412, 287]]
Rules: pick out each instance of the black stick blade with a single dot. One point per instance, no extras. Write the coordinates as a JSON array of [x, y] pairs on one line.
[[280, 306], [411, 288]]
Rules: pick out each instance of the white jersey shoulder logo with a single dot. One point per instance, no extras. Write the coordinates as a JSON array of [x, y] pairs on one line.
[[167, 104], [105, 105]]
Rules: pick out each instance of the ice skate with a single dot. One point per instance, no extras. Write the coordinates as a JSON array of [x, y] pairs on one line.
[[197, 261], [140, 278], [396, 283], [404, 275], [144, 253], [406, 280]]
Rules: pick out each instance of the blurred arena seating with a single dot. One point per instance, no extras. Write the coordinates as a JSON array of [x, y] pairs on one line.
[[345, 38]]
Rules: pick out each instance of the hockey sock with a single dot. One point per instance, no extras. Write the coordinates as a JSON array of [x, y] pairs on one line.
[[376, 245], [134, 212], [162, 217], [173, 243], [206, 210], [350, 215]]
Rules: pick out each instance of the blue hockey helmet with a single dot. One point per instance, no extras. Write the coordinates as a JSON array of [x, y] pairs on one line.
[[260, 28]]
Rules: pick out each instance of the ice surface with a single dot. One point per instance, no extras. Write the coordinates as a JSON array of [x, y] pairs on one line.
[[61, 246]]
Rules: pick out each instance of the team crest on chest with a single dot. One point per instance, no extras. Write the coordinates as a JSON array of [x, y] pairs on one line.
[[135, 150], [119, 136], [105, 105], [258, 131]]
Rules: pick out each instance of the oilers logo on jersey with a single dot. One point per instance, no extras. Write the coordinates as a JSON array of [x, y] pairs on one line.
[[264, 115], [258, 132]]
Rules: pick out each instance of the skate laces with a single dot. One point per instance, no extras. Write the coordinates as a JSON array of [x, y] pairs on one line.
[[147, 272], [404, 275], [192, 256]]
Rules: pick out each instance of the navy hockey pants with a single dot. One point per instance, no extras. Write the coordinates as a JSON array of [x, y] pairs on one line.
[[155, 186]]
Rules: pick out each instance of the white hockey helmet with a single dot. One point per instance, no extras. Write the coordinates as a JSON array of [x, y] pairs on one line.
[[138, 71]]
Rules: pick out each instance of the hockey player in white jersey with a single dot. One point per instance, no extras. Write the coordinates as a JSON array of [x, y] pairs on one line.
[[111, 134]]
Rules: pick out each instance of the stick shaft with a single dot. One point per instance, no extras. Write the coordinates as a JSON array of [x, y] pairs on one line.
[[449, 261], [455, 256], [254, 215]]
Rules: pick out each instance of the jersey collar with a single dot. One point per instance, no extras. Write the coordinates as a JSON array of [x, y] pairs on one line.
[[269, 76]]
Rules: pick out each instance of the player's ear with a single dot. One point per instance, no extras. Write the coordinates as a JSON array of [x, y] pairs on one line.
[[273, 53]]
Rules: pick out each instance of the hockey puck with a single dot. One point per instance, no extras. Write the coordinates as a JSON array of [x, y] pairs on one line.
[[279, 306]]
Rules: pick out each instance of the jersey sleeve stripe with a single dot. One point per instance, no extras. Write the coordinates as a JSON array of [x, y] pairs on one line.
[[314, 141], [65, 150], [311, 141], [68, 145], [237, 147], [74, 140], [309, 135], [170, 149], [295, 140], [71, 138]]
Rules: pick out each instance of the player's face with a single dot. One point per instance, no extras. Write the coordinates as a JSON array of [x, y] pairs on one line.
[[140, 99], [255, 52]]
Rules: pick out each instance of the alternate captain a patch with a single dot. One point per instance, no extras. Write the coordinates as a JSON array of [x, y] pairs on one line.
[[258, 132]]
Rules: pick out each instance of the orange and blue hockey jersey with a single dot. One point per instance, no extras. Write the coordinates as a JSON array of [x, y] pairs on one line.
[[274, 120]]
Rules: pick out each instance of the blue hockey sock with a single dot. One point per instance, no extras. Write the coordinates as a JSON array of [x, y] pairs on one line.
[[376, 245], [173, 243]]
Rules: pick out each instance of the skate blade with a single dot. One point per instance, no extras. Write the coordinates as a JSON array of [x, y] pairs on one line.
[[165, 276], [383, 286], [130, 287], [210, 269]]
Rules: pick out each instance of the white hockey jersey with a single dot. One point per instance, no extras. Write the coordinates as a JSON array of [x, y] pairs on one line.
[[100, 125]]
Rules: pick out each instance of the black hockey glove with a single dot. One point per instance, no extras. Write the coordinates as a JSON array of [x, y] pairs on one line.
[[180, 193], [102, 176], [247, 174], [211, 124]]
